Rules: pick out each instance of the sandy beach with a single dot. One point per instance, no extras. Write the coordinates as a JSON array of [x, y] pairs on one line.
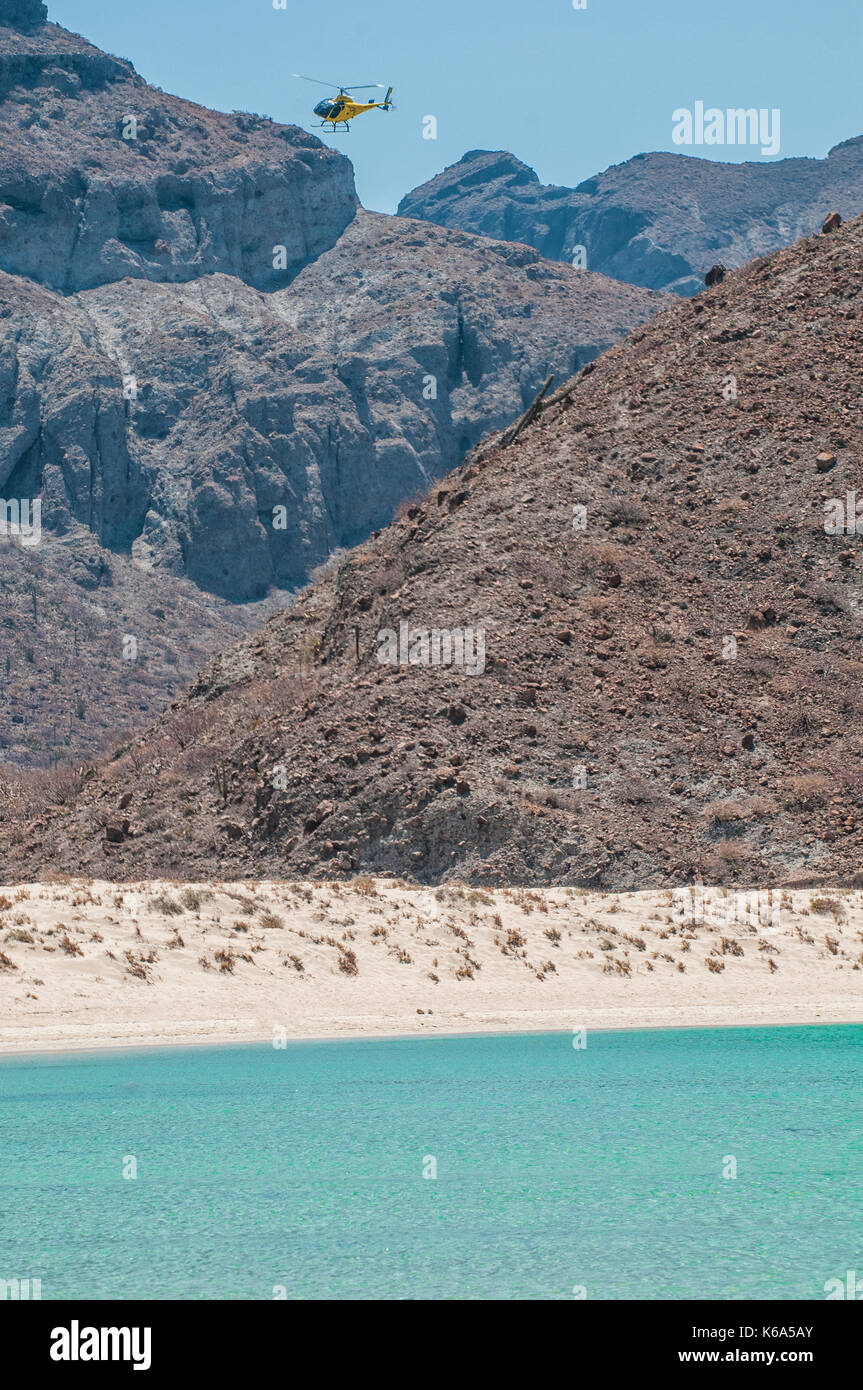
[[94, 964]]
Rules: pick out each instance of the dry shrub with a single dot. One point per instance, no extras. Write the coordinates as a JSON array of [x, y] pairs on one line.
[[615, 966], [188, 727], [476, 895], [725, 812], [166, 905], [605, 554], [596, 604], [137, 965], [810, 789], [408, 508], [625, 511], [28, 794], [731, 853], [827, 907], [348, 961], [634, 790], [730, 947], [246, 903]]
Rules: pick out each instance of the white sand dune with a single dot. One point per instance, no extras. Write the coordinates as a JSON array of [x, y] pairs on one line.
[[91, 964]]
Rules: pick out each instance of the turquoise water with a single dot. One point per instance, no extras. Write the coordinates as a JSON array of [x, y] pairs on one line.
[[556, 1168]]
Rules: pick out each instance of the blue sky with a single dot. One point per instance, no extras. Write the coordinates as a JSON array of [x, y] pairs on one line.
[[568, 91]]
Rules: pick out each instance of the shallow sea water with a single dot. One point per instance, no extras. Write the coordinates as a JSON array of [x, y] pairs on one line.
[[299, 1172]]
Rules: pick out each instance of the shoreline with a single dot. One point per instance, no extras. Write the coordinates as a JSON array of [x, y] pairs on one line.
[[211, 1039], [88, 966]]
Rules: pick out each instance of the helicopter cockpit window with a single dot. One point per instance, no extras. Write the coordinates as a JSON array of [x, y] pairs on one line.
[[326, 109]]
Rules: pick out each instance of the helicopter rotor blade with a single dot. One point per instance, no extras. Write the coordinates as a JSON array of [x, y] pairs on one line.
[[317, 81], [364, 87]]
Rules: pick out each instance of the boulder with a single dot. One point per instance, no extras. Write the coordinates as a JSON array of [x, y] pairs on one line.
[[23, 14]]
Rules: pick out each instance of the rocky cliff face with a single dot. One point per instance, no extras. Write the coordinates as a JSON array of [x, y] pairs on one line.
[[103, 177], [238, 438], [665, 570], [22, 14], [659, 220], [169, 392]]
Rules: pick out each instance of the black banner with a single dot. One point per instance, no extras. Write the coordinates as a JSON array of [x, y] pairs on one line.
[[84, 1340]]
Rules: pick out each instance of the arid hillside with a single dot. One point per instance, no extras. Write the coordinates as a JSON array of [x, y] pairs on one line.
[[92, 646], [659, 619]]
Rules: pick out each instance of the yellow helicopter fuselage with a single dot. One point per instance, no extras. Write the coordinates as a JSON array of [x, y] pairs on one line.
[[339, 110]]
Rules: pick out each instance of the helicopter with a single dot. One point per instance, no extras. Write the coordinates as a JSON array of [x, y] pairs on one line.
[[339, 110]]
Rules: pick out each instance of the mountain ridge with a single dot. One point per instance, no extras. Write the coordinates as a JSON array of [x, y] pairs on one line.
[[218, 365], [658, 219], [670, 684]]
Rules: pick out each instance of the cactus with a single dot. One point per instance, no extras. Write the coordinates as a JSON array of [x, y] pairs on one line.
[[220, 776]]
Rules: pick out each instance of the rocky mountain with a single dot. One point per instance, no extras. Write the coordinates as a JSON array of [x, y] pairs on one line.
[[216, 365], [266, 430], [104, 178], [618, 646], [659, 220]]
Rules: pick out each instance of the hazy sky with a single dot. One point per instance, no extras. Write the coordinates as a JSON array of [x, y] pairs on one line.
[[568, 91]]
